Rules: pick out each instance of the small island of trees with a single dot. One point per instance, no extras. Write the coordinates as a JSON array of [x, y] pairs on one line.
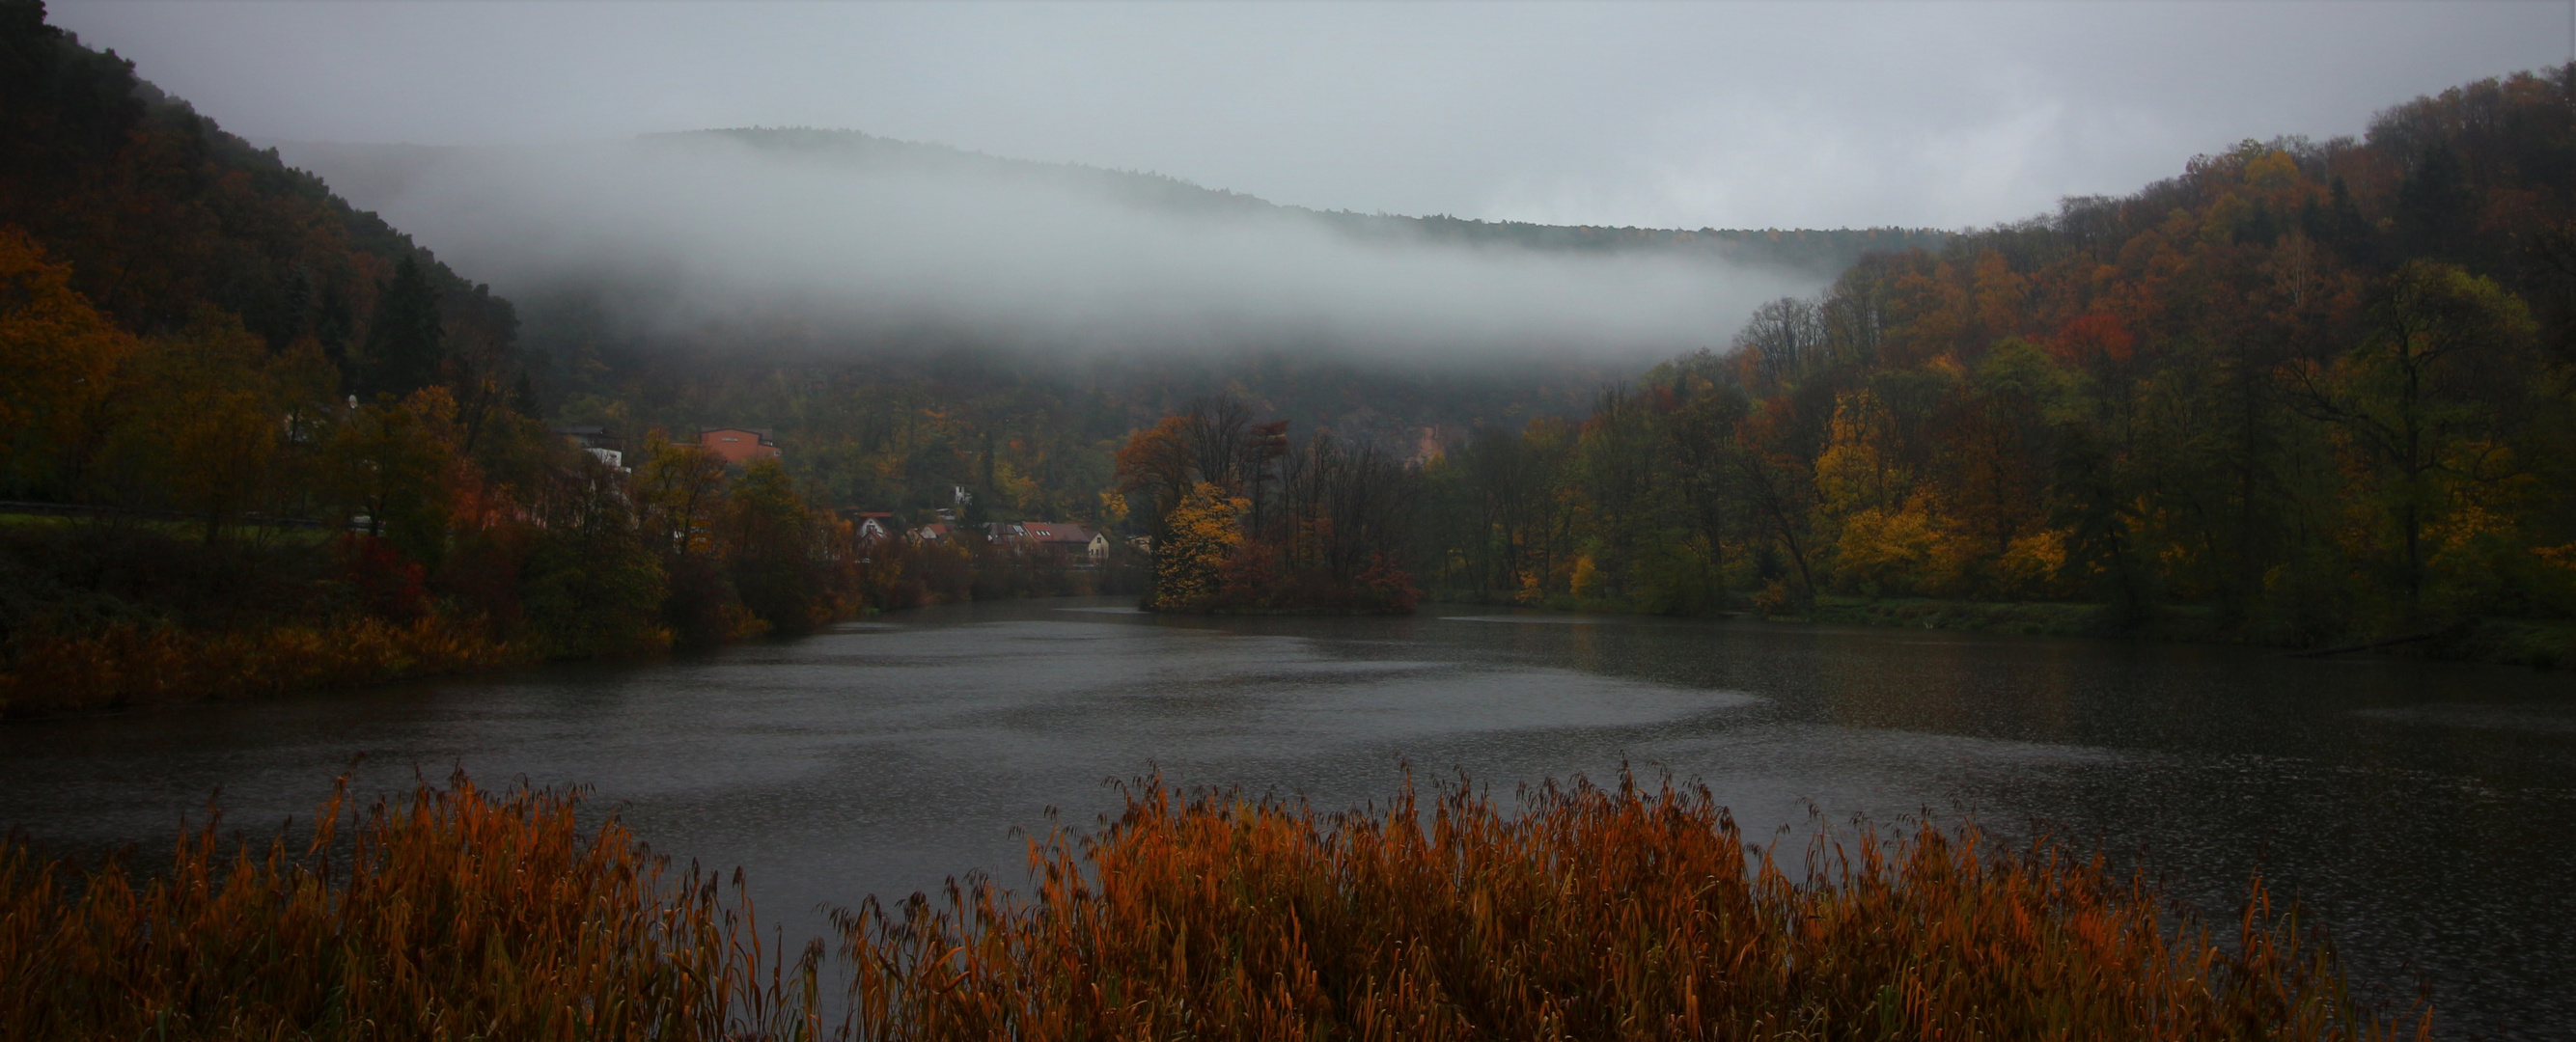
[[1244, 519]]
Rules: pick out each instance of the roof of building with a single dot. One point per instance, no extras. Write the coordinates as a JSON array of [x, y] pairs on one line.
[[1055, 532], [591, 437]]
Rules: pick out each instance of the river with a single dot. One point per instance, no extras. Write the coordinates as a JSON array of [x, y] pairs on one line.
[[2424, 813]]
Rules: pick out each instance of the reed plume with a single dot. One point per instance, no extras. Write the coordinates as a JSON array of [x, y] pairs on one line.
[[1579, 912], [454, 914], [1587, 913]]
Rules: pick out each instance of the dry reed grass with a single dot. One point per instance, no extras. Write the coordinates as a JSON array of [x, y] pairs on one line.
[[1584, 912], [453, 915], [1589, 914]]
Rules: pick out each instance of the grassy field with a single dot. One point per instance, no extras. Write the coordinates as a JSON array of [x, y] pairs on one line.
[[1577, 912]]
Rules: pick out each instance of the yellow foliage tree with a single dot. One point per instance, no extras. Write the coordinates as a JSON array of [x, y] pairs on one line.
[[59, 359], [1203, 532], [2034, 564], [221, 415], [1854, 473], [387, 461], [1889, 551]]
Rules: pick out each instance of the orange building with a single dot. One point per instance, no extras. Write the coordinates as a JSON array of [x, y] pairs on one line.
[[738, 445]]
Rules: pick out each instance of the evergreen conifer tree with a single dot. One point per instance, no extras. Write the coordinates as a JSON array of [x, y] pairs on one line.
[[406, 344]]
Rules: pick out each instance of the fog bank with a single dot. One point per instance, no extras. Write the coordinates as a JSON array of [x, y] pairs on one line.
[[701, 230]]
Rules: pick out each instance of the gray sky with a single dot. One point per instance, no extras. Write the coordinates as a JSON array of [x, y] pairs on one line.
[[1723, 114]]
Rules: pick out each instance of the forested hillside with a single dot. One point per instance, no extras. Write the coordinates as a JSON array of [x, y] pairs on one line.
[[161, 216], [2304, 392], [255, 439], [171, 245]]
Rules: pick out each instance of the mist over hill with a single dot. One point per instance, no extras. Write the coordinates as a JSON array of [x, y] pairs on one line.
[[820, 247]]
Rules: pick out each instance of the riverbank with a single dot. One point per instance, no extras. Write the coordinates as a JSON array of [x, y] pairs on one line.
[[2544, 644], [107, 611], [99, 614], [2536, 643], [134, 665], [1578, 912]]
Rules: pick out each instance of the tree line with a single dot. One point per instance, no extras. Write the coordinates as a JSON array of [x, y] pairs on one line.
[[1242, 518], [2316, 390]]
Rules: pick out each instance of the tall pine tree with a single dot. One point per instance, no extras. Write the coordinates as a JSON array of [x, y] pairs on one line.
[[406, 344]]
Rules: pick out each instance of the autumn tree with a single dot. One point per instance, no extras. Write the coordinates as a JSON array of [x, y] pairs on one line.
[[221, 437], [2423, 400], [1779, 485], [388, 464], [1157, 465], [680, 504], [1699, 466], [770, 538], [59, 361], [1781, 342], [1203, 532], [1346, 510], [1618, 481], [591, 586]]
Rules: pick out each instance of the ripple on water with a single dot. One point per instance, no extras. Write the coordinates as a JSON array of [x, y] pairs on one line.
[[2524, 717], [1543, 620]]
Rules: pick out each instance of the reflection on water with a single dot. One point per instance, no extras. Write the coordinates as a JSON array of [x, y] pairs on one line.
[[2425, 813], [2530, 717]]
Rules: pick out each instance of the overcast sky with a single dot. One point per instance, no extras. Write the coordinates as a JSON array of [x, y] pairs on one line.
[[1687, 115]]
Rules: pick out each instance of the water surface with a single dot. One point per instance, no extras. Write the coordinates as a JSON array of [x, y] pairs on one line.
[[2425, 813]]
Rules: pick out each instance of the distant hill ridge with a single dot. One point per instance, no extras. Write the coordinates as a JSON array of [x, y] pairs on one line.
[[374, 174], [1824, 251]]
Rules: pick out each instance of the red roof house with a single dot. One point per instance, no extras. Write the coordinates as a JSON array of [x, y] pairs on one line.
[[1067, 541], [738, 445], [1055, 534]]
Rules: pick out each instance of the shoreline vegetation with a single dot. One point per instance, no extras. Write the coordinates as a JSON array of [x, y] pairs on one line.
[[108, 614], [1575, 911]]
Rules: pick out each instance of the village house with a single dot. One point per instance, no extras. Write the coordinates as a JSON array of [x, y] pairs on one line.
[[738, 446], [867, 527], [870, 525], [1063, 541], [602, 446]]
